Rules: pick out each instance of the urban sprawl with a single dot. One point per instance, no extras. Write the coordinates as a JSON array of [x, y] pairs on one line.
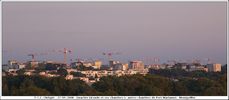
[[91, 71]]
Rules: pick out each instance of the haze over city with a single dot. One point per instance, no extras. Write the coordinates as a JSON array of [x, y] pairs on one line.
[[137, 30], [95, 50]]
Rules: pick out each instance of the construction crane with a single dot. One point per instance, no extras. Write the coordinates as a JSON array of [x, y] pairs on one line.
[[109, 54], [36, 54], [196, 61], [208, 61], [156, 62], [65, 51], [172, 62], [33, 56]]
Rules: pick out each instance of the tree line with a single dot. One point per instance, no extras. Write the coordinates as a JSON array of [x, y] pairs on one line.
[[127, 85]]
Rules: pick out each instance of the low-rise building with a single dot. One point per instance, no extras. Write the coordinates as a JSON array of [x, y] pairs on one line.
[[85, 79], [42, 73], [69, 70], [119, 73], [87, 64], [52, 75], [21, 66], [201, 68], [28, 73], [89, 73], [120, 66], [12, 64], [163, 66], [69, 77]]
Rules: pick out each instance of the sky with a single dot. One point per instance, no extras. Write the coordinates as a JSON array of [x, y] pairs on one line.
[[138, 30]]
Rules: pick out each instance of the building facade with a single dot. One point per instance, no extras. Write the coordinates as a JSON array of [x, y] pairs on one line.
[[97, 64], [137, 65], [214, 67]]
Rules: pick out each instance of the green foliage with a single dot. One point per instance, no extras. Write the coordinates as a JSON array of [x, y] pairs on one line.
[[5, 89], [77, 74], [62, 72], [195, 84], [224, 69], [180, 73], [37, 85], [40, 68], [30, 91], [20, 71], [134, 85]]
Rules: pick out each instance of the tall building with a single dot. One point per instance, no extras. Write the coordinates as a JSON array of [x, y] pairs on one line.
[[97, 64], [214, 67], [137, 65]]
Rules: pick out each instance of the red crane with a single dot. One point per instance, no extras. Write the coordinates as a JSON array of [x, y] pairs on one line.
[[109, 54], [65, 51]]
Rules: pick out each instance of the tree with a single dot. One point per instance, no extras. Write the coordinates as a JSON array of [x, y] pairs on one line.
[[62, 71], [77, 74], [224, 69], [40, 68], [133, 85], [110, 93], [31, 91], [50, 66], [5, 90], [20, 71], [127, 85], [179, 88]]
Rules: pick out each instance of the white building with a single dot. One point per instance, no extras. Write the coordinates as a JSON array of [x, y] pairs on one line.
[[87, 64], [137, 65], [42, 73], [69, 77], [21, 66], [28, 73]]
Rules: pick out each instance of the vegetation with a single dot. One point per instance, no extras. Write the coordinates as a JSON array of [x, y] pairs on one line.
[[180, 73], [149, 85], [20, 71], [158, 83], [37, 85], [77, 74], [62, 72]]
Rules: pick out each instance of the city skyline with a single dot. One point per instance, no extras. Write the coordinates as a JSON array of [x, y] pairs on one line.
[[137, 30]]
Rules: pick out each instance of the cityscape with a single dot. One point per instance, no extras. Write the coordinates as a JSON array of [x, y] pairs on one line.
[[91, 71], [95, 74], [114, 49]]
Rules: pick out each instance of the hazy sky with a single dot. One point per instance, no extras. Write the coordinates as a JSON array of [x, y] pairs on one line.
[[137, 30]]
